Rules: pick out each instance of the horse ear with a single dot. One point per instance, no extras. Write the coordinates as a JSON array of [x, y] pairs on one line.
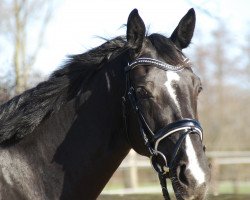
[[183, 33], [135, 31]]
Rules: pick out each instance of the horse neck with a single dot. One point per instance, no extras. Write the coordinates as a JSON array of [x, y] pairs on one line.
[[95, 143], [79, 147], [96, 139]]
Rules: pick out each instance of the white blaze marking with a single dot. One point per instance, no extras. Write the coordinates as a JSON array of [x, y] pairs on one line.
[[193, 165], [171, 77]]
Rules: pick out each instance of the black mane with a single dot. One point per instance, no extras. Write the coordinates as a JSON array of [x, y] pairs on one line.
[[22, 114]]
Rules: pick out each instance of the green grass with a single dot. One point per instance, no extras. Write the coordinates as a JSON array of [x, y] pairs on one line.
[[234, 187], [225, 187], [159, 197]]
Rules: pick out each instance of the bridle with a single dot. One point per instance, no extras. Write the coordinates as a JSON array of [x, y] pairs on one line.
[[151, 139]]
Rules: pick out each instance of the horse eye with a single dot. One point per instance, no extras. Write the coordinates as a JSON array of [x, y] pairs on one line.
[[142, 93]]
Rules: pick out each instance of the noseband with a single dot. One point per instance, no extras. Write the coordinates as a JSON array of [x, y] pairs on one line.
[[152, 139]]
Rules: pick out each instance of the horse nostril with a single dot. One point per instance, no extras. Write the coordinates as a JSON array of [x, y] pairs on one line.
[[183, 174]]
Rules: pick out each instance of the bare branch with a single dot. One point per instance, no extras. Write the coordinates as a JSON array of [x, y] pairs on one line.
[[45, 22], [202, 9]]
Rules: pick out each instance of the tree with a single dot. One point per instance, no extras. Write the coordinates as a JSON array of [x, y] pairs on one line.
[[25, 23], [224, 106]]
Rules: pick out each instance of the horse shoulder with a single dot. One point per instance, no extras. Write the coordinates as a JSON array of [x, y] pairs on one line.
[[17, 178]]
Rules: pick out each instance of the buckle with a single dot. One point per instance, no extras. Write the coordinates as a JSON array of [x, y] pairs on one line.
[[159, 162]]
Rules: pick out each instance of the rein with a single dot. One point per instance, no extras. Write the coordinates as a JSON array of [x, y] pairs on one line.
[[151, 139]]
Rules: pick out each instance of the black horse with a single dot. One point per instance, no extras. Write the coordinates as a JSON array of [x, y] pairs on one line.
[[65, 138]]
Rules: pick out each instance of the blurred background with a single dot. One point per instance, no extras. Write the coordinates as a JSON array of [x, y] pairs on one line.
[[37, 35]]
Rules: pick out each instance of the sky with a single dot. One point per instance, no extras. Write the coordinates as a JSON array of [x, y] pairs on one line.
[[77, 24]]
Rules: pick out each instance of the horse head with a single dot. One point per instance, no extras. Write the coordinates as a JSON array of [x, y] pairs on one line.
[[163, 120]]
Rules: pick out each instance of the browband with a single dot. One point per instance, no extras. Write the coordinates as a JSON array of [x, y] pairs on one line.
[[159, 64]]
